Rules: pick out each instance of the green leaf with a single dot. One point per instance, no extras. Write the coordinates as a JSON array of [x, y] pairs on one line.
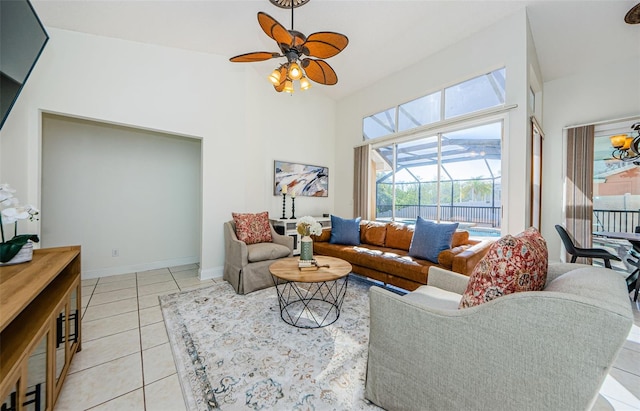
[[10, 248]]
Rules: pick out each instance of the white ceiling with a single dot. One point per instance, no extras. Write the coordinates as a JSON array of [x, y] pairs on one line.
[[384, 36]]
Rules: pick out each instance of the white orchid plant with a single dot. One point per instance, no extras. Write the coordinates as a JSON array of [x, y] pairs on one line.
[[10, 213], [308, 226]]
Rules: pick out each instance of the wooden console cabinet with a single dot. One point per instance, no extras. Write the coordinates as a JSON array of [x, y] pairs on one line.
[[39, 327]]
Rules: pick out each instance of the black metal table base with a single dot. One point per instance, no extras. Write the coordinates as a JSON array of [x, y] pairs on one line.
[[310, 305]]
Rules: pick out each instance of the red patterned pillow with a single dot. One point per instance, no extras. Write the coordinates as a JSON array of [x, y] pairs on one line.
[[253, 228], [511, 265]]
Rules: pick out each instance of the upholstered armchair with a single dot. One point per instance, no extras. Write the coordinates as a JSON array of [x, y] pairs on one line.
[[246, 266], [534, 350]]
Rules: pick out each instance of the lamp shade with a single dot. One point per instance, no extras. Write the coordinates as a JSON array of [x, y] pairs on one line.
[[618, 141], [305, 84], [274, 77], [295, 72], [288, 86]]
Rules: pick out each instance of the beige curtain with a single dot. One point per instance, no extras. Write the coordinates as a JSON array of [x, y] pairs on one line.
[[361, 182], [579, 183]]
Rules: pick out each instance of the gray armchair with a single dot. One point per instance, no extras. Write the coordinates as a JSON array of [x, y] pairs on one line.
[[543, 350], [246, 267]]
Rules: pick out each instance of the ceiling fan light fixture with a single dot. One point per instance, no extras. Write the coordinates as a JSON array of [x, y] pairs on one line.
[[274, 77], [305, 84], [295, 72], [618, 141], [288, 86]]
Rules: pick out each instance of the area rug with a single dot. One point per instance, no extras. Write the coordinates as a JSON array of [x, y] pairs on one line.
[[234, 352]]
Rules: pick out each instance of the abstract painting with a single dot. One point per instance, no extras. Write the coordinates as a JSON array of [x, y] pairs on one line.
[[300, 179]]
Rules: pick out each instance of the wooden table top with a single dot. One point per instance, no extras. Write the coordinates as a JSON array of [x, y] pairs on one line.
[[287, 269]]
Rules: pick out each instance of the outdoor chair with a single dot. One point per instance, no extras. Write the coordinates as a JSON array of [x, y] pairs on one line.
[[597, 253]]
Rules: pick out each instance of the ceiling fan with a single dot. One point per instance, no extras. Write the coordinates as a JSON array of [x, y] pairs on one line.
[[633, 15], [304, 54]]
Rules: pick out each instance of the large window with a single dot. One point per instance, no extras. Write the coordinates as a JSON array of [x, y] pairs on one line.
[[446, 176], [478, 93]]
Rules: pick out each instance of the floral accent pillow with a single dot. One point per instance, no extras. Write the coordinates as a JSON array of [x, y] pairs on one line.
[[512, 264], [253, 228]]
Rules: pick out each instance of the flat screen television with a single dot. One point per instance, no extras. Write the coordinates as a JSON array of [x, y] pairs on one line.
[[22, 39]]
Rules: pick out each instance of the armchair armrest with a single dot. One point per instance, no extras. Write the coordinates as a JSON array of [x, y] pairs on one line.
[[282, 239], [235, 250], [447, 280]]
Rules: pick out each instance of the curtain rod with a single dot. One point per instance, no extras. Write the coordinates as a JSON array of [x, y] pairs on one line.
[[596, 123]]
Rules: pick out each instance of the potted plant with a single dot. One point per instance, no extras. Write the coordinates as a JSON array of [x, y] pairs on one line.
[[18, 249], [307, 226]]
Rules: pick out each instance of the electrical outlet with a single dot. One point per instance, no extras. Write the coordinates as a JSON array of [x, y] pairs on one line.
[[115, 253]]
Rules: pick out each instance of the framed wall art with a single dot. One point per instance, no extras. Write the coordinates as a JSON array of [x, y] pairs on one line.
[[300, 179]]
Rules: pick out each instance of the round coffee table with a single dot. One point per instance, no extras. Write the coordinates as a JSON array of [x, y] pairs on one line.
[[310, 299]]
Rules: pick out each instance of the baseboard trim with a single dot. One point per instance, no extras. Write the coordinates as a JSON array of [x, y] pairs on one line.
[[211, 273], [105, 272]]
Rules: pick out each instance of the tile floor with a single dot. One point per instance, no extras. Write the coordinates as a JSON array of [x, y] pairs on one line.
[[126, 361]]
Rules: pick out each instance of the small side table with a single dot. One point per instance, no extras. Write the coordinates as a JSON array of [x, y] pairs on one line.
[[310, 299]]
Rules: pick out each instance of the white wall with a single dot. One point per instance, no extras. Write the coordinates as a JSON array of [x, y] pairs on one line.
[[607, 92], [117, 188], [502, 44], [243, 123]]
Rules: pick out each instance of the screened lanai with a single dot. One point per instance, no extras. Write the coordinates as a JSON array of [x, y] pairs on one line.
[[449, 176]]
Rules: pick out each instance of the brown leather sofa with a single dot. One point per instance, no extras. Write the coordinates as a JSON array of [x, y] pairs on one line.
[[383, 254]]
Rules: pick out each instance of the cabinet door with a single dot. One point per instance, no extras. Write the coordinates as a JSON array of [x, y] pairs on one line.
[[10, 402], [61, 341], [35, 391], [73, 325]]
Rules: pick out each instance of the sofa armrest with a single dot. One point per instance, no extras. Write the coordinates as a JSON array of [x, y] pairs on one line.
[[465, 261], [324, 237], [555, 270], [282, 239], [447, 280]]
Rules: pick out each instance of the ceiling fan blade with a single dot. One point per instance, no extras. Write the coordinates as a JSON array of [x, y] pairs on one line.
[[283, 78], [254, 56], [274, 29], [324, 44], [319, 71]]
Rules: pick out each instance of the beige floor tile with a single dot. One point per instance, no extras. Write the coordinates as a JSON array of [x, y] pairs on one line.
[[132, 401], [630, 382], [115, 324], [89, 281], [185, 274], [150, 315], [629, 361], [106, 349], [151, 273], [115, 285], [192, 282], [157, 363], [96, 312], [602, 405], [153, 279], [112, 296], [195, 287], [86, 291], [184, 267], [115, 278], [147, 301], [166, 287], [164, 395], [96, 385], [153, 335]]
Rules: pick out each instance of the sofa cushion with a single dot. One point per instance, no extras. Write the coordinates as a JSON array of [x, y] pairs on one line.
[[459, 237], [430, 238], [512, 264], [399, 236], [434, 297], [372, 232], [252, 228], [345, 231], [266, 251], [445, 258]]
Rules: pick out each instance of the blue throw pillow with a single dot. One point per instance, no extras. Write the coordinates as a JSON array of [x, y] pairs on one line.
[[345, 231], [430, 238]]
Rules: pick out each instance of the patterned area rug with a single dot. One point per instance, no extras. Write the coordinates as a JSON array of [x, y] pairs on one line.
[[234, 352]]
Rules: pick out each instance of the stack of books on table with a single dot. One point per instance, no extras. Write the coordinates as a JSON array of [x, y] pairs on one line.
[[307, 265]]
